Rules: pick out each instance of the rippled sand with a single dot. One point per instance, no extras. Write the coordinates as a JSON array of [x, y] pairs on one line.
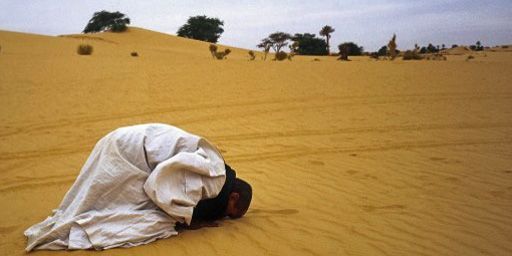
[[346, 158]]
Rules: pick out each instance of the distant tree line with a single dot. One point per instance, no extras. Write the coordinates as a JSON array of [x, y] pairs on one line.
[[210, 29]]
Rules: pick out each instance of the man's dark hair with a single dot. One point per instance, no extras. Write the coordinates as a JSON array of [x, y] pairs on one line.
[[244, 191]]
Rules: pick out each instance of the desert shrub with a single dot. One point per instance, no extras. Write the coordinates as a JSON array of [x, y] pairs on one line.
[[84, 49], [316, 59], [134, 54], [411, 55], [213, 50], [222, 55], [281, 56], [454, 46], [504, 46], [343, 52], [252, 56], [374, 55], [470, 57]]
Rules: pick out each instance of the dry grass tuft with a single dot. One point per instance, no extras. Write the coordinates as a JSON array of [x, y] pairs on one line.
[[252, 56], [84, 49]]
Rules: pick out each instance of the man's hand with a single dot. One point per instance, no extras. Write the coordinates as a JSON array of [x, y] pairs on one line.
[[197, 225]]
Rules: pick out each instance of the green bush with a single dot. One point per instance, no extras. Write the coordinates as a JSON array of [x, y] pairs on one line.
[[84, 49]]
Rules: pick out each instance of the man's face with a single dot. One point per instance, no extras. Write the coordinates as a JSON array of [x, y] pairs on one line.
[[232, 211]]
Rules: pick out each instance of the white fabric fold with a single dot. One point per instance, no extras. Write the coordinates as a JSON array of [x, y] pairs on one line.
[[136, 184]]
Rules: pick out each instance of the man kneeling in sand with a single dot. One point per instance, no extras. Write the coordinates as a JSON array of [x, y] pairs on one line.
[[137, 185]]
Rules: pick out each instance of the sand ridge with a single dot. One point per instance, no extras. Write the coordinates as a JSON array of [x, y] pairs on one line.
[[346, 158]]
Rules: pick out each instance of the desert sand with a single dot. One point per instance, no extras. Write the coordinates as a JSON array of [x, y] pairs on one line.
[[346, 158]]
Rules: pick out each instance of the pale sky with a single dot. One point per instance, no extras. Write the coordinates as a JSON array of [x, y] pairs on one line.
[[369, 23]]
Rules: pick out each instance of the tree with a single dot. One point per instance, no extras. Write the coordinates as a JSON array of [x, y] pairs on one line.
[[343, 48], [479, 46], [383, 51], [431, 48], [308, 44], [103, 21], [278, 40], [275, 41], [326, 31], [202, 28], [392, 47], [265, 45], [351, 48]]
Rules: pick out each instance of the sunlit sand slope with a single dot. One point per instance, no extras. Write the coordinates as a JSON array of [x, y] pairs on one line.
[[346, 158]]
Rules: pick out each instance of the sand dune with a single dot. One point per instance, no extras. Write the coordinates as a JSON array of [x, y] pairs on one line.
[[346, 158]]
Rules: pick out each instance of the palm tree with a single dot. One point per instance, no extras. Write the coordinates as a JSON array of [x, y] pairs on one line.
[[326, 31]]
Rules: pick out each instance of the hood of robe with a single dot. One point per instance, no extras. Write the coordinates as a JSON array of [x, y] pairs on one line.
[[215, 208]]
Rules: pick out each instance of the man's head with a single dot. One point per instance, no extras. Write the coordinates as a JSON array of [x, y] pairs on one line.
[[239, 199]]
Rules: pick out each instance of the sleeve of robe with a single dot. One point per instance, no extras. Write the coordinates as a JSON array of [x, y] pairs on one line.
[[177, 184]]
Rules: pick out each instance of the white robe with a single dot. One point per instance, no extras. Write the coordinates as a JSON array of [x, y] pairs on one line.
[[136, 184]]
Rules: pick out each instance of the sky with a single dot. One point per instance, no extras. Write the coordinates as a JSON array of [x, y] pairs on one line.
[[369, 23]]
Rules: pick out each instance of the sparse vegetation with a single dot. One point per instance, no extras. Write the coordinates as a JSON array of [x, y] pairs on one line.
[[134, 54], [213, 50], [223, 55], [252, 56], [477, 47], [374, 55], [392, 48], [84, 49], [275, 41], [470, 57], [326, 31], [504, 46], [202, 28], [411, 55], [219, 55], [436, 56], [103, 21]]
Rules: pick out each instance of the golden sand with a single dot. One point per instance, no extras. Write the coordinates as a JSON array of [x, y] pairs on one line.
[[346, 158]]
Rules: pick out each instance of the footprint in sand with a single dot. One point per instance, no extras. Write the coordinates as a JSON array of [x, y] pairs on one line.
[[393, 207], [316, 162]]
